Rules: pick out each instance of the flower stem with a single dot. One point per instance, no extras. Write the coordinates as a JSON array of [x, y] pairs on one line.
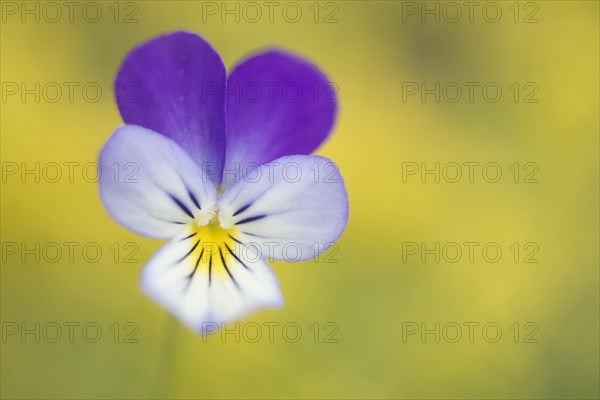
[[164, 384]]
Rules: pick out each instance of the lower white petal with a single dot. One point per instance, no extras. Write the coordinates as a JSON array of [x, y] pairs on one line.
[[203, 282]]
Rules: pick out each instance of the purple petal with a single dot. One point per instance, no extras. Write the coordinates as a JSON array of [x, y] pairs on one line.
[[174, 84], [150, 185], [292, 208], [277, 105]]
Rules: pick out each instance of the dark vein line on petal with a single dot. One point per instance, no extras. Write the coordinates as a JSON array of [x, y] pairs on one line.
[[235, 240], [167, 221], [191, 275], [189, 236], [194, 199], [236, 257], [227, 269], [241, 210], [210, 270], [182, 206], [253, 234], [250, 219], [189, 252], [196, 266]]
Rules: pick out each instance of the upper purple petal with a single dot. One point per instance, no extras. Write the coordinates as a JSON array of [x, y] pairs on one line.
[[277, 105], [174, 84]]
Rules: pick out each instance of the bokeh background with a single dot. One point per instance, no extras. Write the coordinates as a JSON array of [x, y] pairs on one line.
[[375, 288]]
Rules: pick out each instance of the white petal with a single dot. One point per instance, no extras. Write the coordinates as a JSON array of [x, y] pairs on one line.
[[151, 185], [293, 208], [199, 289]]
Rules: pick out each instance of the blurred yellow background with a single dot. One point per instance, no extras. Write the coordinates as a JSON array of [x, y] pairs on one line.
[[374, 51]]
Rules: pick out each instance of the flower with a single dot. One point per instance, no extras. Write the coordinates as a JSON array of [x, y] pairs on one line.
[[224, 174]]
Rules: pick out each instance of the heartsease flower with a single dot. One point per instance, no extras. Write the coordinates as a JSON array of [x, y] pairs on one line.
[[222, 172]]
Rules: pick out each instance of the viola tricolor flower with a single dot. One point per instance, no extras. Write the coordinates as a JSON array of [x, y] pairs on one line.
[[223, 174]]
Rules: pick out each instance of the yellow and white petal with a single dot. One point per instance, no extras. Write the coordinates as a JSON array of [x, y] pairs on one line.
[[203, 282]]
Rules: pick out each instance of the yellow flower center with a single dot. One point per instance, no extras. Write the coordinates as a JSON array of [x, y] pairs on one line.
[[213, 235], [211, 245]]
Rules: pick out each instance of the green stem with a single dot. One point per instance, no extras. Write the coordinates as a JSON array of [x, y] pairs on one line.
[[164, 383]]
